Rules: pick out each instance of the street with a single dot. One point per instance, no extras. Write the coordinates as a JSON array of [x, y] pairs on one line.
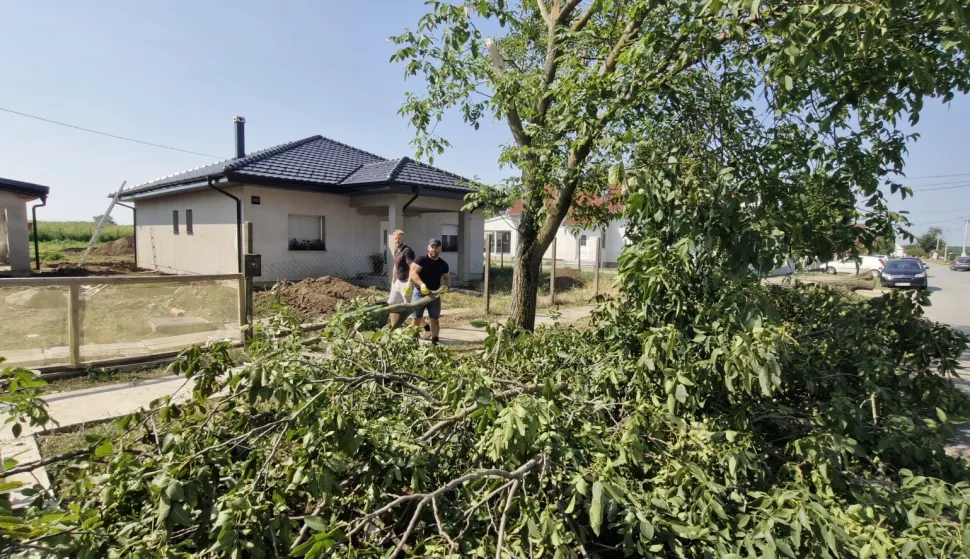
[[951, 305]]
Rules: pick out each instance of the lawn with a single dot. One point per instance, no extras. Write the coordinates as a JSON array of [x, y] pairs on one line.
[[58, 239]]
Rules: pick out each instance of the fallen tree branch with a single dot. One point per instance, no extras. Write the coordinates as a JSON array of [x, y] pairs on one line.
[[500, 397], [31, 466], [505, 518]]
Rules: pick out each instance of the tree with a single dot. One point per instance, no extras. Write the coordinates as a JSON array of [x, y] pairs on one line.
[[109, 221], [928, 240], [581, 83], [916, 251]]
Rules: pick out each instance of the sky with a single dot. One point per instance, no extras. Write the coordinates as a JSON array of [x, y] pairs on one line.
[[176, 73]]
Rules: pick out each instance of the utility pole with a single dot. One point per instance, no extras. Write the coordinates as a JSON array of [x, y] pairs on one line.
[[966, 224]]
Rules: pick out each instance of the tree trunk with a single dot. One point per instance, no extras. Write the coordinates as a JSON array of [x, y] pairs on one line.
[[525, 282]]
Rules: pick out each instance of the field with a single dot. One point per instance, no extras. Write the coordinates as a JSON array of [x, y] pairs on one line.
[[59, 238]]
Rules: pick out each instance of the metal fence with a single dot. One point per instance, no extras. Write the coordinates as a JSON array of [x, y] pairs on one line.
[[71, 321], [366, 270]]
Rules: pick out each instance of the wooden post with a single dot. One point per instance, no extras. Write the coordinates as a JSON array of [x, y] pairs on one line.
[[596, 269], [488, 270], [552, 275], [74, 324], [242, 302]]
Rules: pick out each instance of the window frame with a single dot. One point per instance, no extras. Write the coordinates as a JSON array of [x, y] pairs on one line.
[[189, 230], [447, 246], [175, 222], [307, 245]]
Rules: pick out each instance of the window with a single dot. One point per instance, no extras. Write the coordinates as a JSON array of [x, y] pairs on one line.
[[582, 240], [603, 238], [307, 232], [501, 241], [188, 222], [175, 222], [449, 238]]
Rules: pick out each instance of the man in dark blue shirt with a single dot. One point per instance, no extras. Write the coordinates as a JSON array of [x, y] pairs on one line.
[[428, 273]]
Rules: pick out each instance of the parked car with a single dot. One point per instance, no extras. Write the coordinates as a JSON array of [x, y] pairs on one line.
[[960, 263], [853, 265], [905, 272]]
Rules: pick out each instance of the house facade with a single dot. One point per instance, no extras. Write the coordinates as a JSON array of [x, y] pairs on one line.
[[14, 224], [575, 242], [318, 207]]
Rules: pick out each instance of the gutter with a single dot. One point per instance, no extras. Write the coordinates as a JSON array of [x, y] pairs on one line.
[[33, 211], [417, 192], [239, 240]]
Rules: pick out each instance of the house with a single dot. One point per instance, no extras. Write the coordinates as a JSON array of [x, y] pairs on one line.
[[14, 227], [574, 246], [317, 206]]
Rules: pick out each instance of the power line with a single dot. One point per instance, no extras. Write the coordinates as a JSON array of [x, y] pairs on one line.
[[937, 176], [963, 181], [107, 134], [964, 185], [940, 211]]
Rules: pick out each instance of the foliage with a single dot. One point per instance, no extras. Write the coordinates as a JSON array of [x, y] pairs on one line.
[[109, 221], [927, 241], [80, 231], [916, 250], [818, 88]]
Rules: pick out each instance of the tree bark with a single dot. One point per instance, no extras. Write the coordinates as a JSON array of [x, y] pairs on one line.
[[526, 274]]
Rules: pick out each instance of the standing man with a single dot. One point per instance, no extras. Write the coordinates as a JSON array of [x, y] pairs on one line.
[[403, 257], [428, 273]]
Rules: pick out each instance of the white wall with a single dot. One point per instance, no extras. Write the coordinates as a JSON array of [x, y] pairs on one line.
[[210, 249], [420, 229], [566, 243], [350, 237], [13, 208]]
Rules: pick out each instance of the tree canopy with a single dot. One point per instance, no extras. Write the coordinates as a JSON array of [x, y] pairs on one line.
[[804, 100]]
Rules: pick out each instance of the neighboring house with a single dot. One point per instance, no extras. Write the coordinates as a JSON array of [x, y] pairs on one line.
[[14, 225], [898, 251], [318, 207], [574, 244]]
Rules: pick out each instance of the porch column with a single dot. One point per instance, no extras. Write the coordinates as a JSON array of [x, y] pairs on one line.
[[18, 239], [395, 221], [464, 246], [3, 235]]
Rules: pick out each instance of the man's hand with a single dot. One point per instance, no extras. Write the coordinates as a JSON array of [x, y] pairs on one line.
[[425, 290], [443, 290], [408, 290]]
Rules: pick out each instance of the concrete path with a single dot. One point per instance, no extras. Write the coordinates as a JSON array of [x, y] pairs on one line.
[[468, 334]]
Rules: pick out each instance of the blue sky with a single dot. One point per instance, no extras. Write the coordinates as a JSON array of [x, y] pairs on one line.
[[175, 73]]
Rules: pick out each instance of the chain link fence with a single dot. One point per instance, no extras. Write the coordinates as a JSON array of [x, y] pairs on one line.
[[365, 270]]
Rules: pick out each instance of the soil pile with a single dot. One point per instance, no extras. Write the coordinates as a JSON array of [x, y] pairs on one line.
[[312, 298], [122, 247], [567, 278]]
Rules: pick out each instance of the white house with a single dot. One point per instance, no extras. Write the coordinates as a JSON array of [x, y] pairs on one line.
[[574, 245], [318, 207], [14, 227]]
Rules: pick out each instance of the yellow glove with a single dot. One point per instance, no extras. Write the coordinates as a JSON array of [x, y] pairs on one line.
[[443, 290], [408, 290], [424, 289]]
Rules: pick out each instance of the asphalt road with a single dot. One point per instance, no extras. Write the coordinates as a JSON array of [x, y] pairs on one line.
[[950, 298]]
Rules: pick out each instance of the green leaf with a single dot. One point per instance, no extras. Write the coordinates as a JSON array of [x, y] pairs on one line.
[[646, 530], [941, 415], [479, 323], [316, 523], [596, 508], [681, 393], [104, 450], [17, 429], [789, 84], [907, 549]]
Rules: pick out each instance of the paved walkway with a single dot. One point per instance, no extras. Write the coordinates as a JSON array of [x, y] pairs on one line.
[[100, 403]]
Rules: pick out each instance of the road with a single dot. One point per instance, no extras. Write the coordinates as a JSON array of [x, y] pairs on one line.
[[950, 298]]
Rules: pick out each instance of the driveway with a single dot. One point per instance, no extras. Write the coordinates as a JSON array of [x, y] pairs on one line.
[[950, 300]]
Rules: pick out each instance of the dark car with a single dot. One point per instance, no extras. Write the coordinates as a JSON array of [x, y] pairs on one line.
[[905, 272], [960, 263]]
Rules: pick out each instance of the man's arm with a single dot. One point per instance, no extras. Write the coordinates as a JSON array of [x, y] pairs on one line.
[[413, 275], [393, 271], [446, 279]]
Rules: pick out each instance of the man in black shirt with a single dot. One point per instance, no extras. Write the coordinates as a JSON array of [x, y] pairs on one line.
[[428, 273], [400, 287]]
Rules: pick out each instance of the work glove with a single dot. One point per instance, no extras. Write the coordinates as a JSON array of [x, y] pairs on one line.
[[425, 290], [443, 290], [408, 290]]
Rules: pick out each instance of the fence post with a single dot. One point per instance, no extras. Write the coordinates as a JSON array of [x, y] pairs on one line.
[[552, 275], [488, 271], [74, 324], [248, 279], [596, 269]]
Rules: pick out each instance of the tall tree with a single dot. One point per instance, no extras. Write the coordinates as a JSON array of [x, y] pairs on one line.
[[928, 241], [580, 82]]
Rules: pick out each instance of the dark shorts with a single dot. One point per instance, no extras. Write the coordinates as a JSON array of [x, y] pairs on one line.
[[434, 309]]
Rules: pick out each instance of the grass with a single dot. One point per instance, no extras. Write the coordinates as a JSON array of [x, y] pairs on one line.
[[79, 231], [101, 377]]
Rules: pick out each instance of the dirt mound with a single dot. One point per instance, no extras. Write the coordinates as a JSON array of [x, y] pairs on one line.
[[567, 278], [121, 247], [312, 298]]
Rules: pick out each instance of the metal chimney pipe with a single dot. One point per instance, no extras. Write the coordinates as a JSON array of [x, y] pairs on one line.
[[240, 136]]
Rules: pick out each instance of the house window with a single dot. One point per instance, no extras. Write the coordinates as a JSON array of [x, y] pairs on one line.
[[188, 222], [307, 232], [603, 238], [582, 240], [501, 241], [449, 238], [175, 222]]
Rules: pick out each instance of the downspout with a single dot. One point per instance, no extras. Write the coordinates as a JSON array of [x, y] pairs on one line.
[[239, 240], [33, 211], [417, 192], [134, 227]]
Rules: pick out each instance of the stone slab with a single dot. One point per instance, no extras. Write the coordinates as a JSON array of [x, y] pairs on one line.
[[177, 325]]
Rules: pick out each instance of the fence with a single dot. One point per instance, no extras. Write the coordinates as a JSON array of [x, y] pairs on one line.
[[77, 320], [366, 270]]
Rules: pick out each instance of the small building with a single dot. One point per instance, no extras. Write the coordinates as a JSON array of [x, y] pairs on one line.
[[15, 226], [318, 207], [574, 246]]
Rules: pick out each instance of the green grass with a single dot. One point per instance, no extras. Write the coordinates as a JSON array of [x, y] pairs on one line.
[[79, 231]]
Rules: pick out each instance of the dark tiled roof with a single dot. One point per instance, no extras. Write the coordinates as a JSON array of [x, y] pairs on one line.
[[24, 188], [321, 161]]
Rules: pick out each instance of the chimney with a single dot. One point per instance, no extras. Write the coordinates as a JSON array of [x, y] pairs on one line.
[[240, 136]]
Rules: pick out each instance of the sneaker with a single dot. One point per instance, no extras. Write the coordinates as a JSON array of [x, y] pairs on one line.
[[434, 340]]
